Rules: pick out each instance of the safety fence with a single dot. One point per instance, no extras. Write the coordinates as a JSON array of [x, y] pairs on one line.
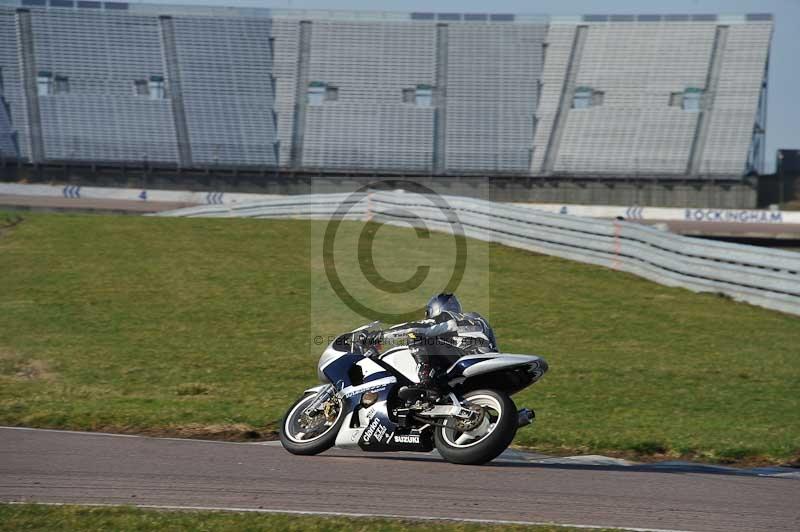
[[764, 277]]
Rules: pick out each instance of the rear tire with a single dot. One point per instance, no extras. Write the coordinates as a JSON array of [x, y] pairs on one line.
[[490, 446], [316, 445]]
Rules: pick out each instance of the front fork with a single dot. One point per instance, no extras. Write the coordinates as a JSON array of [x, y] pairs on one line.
[[323, 396]]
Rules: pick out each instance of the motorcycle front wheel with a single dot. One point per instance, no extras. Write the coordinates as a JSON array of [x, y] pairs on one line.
[[482, 441], [307, 433]]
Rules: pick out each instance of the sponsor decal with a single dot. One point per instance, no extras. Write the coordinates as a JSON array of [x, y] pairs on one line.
[[379, 432], [734, 216], [407, 438], [371, 429], [358, 390]]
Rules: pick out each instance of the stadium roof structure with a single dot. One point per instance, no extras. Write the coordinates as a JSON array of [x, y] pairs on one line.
[[618, 95]]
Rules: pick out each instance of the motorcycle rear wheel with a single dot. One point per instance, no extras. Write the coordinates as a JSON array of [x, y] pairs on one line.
[[484, 443], [297, 442]]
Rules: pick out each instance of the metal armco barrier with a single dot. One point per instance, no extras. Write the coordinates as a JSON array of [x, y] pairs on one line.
[[761, 276]]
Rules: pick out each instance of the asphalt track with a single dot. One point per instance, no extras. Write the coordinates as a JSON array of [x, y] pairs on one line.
[[64, 467]]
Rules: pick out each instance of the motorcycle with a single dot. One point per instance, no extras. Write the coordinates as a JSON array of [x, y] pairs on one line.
[[358, 405]]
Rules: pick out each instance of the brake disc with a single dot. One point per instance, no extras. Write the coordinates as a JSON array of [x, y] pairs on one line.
[[331, 410], [312, 419], [310, 422]]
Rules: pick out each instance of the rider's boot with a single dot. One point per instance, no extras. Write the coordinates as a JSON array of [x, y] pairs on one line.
[[429, 387]]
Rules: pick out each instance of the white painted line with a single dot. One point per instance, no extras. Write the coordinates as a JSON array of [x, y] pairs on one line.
[[351, 514]]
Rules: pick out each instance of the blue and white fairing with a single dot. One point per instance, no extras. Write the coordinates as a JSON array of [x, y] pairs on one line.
[[371, 427]]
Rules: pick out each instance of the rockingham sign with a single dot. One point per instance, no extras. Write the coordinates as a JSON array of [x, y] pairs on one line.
[[735, 216], [635, 213]]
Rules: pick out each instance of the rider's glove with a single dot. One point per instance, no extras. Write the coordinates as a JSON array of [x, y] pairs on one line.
[[370, 339], [371, 352]]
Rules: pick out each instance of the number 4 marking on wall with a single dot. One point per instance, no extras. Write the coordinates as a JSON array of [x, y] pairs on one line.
[[143, 195]]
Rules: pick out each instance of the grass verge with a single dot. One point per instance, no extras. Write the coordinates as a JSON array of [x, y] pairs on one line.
[[123, 519], [203, 328]]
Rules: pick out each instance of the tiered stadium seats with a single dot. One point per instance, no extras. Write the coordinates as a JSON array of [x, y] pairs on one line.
[[612, 96]]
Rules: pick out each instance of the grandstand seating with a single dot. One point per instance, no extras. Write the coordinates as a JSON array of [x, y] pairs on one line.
[[100, 117], [217, 70], [11, 96], [369, 125], [7, 143], [621, 95], [493, 73], [636, 66]]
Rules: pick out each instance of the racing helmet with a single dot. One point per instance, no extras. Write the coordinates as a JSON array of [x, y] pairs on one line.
[[440, 303]]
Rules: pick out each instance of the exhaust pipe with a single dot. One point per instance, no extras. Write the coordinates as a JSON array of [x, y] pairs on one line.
[[525, 416]]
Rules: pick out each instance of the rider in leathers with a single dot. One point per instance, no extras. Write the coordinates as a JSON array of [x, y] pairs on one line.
[[443, 336]]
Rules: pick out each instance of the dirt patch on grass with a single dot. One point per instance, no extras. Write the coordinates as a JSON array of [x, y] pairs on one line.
[[193, 388], [220, 432], [19, 368], [35, 370], [7, 223], [794, 461]]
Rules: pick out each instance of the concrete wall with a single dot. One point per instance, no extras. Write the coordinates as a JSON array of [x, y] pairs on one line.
[[733, 195]]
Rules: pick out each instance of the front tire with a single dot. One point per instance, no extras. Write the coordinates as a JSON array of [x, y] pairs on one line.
[[296, 441], [474, 447]]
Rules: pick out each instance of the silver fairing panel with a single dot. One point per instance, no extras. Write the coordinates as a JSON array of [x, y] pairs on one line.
[[400, 359], [491, 362]]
